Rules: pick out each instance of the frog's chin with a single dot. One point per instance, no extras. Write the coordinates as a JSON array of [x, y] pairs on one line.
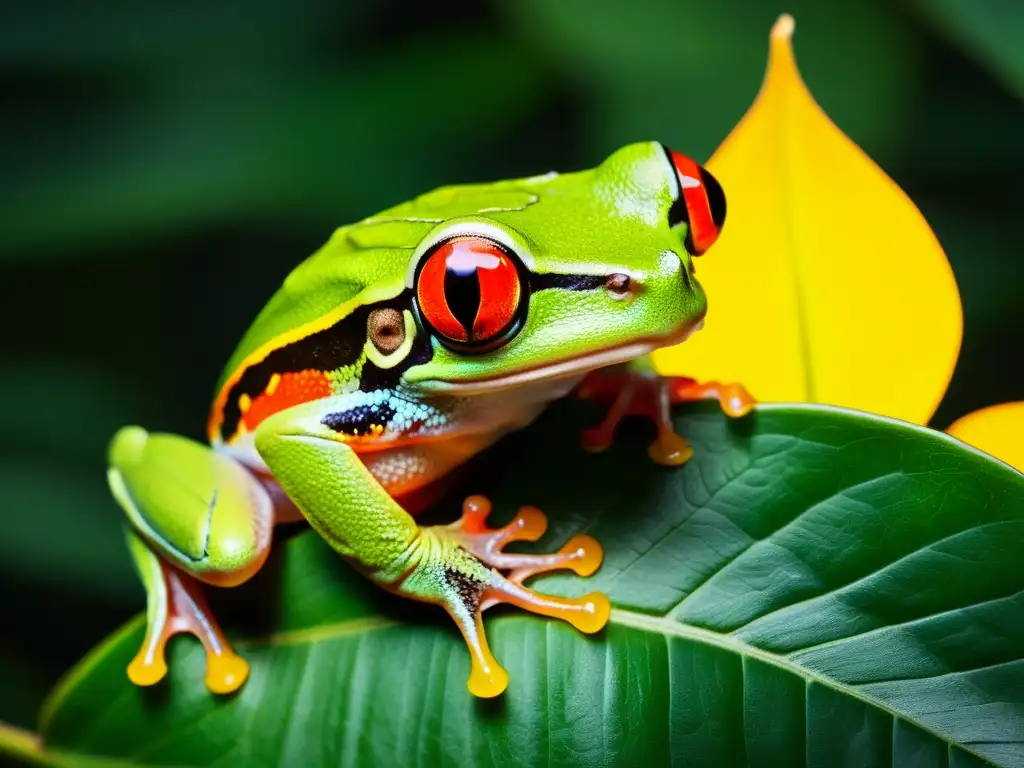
[[563, 369]]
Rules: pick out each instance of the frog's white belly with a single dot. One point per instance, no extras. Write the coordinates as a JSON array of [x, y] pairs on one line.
[[469, 425], [478, 422]]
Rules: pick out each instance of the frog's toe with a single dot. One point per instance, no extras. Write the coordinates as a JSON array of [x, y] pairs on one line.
[[468, 588], [226, 671], [628, 391], [670, 449], [598, 439], [149, 666], [588, 614], [582, 554], [176, 605], [463, 577], [733, 398]]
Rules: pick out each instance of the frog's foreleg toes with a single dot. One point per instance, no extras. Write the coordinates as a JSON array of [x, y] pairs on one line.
[[615, 390], [582, 554], [465, 587], [588, 613], [457, 568]]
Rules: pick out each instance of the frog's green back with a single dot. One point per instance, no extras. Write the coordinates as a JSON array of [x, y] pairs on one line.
[[373, 252], [594, 217]]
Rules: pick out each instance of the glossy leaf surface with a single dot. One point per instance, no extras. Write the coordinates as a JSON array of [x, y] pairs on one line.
[[997, 430], [816, 587], [827, 284]]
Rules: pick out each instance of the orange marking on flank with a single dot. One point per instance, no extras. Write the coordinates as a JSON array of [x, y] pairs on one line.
[[284, 391]]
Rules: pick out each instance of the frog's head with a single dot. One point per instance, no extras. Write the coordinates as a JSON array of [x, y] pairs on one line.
[[594, 268]]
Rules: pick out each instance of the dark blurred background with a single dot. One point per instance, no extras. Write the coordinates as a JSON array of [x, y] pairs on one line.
[[163, 166]]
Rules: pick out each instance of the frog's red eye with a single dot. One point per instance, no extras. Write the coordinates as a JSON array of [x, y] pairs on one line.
[[469, 291], [699, 203]]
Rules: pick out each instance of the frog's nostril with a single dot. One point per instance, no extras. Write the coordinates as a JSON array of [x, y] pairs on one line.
[[618, 285]]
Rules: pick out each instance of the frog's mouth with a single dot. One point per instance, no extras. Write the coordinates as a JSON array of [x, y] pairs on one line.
[[563, 369]]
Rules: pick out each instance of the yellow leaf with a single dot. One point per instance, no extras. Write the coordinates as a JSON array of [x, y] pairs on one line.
[[827, 285], [997, 430]]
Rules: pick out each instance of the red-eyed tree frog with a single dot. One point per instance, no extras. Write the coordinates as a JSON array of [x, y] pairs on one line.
[[411, 341]]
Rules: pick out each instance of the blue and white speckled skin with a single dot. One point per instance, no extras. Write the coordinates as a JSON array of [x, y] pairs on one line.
[[426, 438]]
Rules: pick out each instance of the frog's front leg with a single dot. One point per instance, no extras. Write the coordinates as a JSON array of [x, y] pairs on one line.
[[452, 566], [195, 515], [636, 389]]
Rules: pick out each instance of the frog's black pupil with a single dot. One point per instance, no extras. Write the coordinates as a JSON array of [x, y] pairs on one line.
[[462, 292], [716, 197]]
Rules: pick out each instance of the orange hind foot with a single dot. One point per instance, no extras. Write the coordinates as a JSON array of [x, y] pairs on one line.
[[631, 391]]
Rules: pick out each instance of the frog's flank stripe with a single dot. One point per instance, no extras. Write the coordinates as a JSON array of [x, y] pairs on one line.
[[298, 372], [284, 391]]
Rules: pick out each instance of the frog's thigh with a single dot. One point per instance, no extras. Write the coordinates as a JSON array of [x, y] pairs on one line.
[[201, 510]]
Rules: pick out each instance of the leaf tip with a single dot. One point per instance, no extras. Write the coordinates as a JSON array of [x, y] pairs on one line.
[[783, 28], [781, 61]]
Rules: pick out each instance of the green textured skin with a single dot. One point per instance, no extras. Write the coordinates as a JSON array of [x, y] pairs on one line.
[[199, 509], [148, 567], [343, 503], [203, 511], [612, 218], [333, 488]]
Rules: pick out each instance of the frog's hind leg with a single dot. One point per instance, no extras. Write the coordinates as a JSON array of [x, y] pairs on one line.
[[175, 604], [196, 515], [636, 389]]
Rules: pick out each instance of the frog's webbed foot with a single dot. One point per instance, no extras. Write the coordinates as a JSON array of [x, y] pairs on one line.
[[581, 554], [176, 605], [455, 574], [633, 391]]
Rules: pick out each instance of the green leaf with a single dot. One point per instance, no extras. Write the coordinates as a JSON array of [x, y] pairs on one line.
[[816, 586], [988, 30]]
